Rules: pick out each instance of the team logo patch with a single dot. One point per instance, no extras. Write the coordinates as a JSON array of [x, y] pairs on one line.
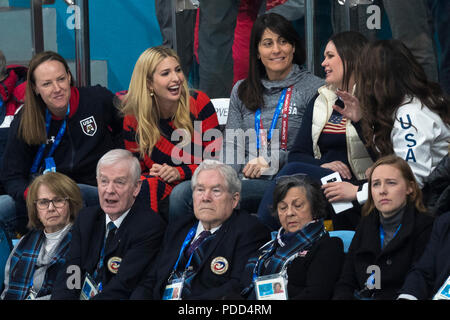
[[89, 126], [219, 265], [114, 264]]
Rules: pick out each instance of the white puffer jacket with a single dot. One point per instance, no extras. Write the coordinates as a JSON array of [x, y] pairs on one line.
[[357, 154]]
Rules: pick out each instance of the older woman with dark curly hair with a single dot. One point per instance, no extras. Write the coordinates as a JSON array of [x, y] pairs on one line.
[[302, 250]]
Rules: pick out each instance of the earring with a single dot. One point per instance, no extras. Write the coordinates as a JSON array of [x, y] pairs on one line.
[[151, 93]]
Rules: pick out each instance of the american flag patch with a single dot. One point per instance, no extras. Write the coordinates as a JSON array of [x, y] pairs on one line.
[[335, 125], [303, 253]]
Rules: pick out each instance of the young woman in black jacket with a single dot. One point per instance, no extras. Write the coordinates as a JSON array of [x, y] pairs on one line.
[[391, 236]]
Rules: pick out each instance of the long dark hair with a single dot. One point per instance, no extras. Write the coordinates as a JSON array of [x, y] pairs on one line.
[[251, 89], [387, 73], [348, 45]]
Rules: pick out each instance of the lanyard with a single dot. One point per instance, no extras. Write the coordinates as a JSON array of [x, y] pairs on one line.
[[100, 261], [282, 106], [102, 257], [40, 153], [382, 234], [261, 259], [186, 242], [269, 253], [32, 293]]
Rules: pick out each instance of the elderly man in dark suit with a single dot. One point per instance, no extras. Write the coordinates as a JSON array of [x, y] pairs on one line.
[[429, 278], [112, 244], [202, 257]]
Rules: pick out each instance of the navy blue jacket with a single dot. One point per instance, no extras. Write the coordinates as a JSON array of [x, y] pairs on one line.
[[77, 154]]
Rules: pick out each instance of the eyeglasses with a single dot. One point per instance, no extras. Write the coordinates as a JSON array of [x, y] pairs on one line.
[[216, 192], [293, 177], [45, 203]]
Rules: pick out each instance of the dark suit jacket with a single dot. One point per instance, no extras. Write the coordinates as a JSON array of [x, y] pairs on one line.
[[433, 268], [136, 242], [237, 239], [394, 260]]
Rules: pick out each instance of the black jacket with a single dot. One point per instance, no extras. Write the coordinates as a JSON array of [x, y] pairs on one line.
[[238, 238], [136, 242], [394, 260], [77, 154]]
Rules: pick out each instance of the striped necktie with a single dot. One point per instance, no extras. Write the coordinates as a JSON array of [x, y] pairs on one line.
[[110, 232], [197, 242]]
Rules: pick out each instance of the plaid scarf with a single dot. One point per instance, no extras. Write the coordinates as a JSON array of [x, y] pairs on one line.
[[273, 255], [23, 263]]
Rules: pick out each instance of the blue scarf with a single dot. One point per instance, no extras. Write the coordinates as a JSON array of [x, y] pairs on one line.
[[273, 255], [23, 264]]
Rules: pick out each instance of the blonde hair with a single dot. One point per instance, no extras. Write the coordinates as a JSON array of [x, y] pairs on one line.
[[62, 186], [143, 105], [415, 198]]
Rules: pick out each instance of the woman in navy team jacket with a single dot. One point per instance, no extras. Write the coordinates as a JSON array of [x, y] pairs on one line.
[[59, 128]]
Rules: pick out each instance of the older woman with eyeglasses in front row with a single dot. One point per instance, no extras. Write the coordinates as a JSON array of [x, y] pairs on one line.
[[53, 203], [302, 261]]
